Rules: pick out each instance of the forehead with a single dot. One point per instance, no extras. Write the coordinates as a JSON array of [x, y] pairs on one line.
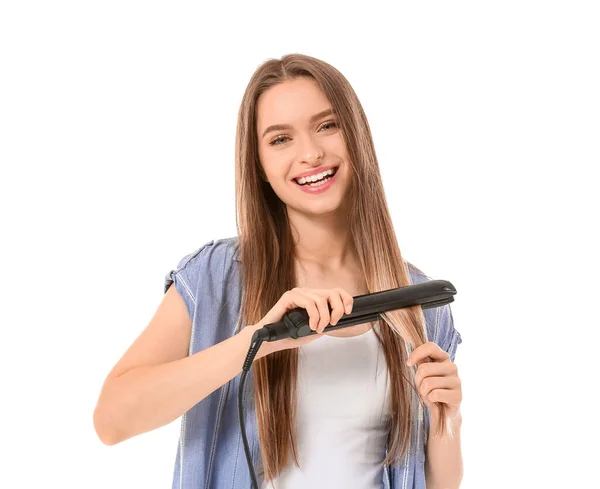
[[290, 102]]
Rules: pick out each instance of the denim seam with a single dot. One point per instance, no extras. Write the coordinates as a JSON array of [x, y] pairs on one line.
[[421, 437], [181, 449], [186, 287], [237, 452], [237, 455], [454, 342], [214, 442], [187, 259], [405, 475], [437, 323]]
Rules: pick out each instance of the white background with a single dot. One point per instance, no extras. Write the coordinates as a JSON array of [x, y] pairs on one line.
[[117, 126]]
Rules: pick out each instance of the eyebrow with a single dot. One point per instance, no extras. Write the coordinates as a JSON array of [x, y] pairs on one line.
[[281, 127]]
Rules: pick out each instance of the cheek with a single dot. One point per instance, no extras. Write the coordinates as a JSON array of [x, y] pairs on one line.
[[336, 146], [269, 166], [276, 170]]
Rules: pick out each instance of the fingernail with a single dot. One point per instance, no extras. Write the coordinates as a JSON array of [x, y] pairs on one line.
[[348, 309], [409, 363]]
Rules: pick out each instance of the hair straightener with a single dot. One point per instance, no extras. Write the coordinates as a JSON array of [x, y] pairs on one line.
[[366, 308]]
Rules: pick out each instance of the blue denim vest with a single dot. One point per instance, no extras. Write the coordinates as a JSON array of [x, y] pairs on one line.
[[210, 453]]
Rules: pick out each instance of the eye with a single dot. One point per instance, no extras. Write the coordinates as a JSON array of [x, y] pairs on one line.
[[331, 124], [278, 140]]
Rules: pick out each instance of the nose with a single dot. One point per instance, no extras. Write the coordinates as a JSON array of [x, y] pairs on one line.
[[310, 152]]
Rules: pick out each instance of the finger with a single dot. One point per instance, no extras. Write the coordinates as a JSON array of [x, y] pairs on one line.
[[430, 384], [452, 397], [347, 299], [323, 306], [298, 298], [429, 349], [337, 306], [434, 369]]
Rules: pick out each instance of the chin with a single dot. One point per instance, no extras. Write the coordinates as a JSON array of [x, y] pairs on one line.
[[317, 208]]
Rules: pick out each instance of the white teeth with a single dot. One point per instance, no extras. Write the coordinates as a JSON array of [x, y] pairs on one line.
[[314, 178]]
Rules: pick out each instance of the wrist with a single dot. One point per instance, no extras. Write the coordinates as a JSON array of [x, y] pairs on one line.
[[247, 333], [454, 418]]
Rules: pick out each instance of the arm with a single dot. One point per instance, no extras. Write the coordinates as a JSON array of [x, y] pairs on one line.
[[155, 381], [444, 464]]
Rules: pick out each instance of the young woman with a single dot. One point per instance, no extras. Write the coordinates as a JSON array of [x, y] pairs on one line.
[[370, 406]]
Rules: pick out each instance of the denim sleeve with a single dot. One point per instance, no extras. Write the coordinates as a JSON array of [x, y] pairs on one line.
[[186, 277], [447, 336]]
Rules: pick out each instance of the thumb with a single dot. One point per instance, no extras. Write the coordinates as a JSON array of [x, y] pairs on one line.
[[275, 314]]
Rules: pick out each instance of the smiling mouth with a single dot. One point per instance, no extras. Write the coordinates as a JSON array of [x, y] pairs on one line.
[[324, 179]]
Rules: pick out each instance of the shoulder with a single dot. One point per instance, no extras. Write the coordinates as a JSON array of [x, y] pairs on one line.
[[211, 258], [204, 273], [438, 320], [416, 275]]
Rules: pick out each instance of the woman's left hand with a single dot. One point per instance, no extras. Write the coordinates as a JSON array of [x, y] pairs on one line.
[[437, 381]]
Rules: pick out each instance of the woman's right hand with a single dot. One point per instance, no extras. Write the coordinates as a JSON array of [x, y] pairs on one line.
[[316, 302]]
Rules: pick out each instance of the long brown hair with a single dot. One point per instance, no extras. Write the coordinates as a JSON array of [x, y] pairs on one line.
[[266, 250]]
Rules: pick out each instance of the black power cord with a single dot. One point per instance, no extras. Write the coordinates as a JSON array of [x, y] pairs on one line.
[[254, 347]]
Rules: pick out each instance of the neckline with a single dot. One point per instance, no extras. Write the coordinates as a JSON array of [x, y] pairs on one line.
[[337, 338]]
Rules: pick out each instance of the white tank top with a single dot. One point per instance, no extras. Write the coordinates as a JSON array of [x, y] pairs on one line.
[[343, 415]]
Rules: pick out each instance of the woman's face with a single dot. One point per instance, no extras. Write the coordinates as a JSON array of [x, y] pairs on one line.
[[296, 135]]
